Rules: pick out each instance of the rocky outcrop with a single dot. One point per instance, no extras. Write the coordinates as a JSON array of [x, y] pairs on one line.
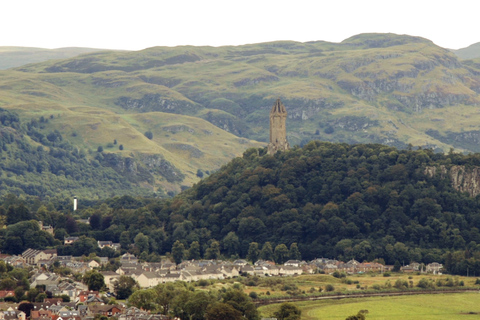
[[143, 167], [463, 179], [156, 102], [193, 151]]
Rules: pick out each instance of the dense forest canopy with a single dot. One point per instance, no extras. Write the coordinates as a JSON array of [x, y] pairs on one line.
[[331, 200]]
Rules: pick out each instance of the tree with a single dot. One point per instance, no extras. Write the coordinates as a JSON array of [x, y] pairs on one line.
[[288, 311], [281, 254], [84, 246], [197, 303], [94, 280], [359, 316], [32, 294], [120, 147], [194, 251], [230, 244], [143, 299], [178, 251], [253, 252], [222, 311], [124, 287], [396, 266], [213, 252], [294, 253], [267, 251], [149, 135], [125, 239], [26, 307], [19, 293], [141, 242], [100, 149], [242, 302]]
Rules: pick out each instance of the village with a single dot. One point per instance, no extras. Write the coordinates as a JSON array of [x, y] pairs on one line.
[[67, 298]]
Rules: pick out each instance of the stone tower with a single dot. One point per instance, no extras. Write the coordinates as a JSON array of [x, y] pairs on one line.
[[278, 129]]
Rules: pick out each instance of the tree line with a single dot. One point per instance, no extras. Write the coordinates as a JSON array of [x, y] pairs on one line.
[[333, 200]]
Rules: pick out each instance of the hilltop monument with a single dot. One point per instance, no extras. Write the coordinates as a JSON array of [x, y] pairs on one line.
[[278, 129]]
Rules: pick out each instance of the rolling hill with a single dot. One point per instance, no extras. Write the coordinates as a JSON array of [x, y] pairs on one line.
[[206, 105], [11, 57]]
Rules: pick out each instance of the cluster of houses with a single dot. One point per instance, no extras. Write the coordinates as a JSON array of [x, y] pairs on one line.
[[55, 309], [85, 304]]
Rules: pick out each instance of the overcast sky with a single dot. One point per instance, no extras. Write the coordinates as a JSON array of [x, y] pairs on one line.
[[139, 24]]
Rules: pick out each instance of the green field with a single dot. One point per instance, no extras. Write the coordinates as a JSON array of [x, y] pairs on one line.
[[429, 306]]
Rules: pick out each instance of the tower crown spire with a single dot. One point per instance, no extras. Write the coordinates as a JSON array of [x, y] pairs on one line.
[[278, 107], [278, 129]]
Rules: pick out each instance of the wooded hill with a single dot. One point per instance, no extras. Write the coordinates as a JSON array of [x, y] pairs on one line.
[[332, 200], [202, 106]]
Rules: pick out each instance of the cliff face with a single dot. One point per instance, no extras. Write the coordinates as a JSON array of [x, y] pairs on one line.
[[463, 179]]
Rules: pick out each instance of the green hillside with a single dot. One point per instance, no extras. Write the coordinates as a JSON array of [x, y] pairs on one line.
[[11, 57], [205, 105], [470, 52]]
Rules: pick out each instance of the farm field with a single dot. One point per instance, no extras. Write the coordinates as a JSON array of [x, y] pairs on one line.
[[275, 287], [428, 306]]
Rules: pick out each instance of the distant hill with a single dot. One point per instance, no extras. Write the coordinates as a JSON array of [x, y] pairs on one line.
[[202, 106], [470, 52], [11, 57]]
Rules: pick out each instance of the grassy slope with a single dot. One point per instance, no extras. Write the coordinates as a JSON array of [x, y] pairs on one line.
[[92, 120], [11, 57], [425, 307]]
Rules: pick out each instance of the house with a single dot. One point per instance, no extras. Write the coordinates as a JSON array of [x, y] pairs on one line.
[[14, 261], [369, 267], [106, 310], [32, 256], [110, 277], [329, 268], [289, 270], [12, 315], [103, 244], [149, 279], [45, 228], [85, 295], [248, 269], [6, 293], [40, 314], [44, 279], [240, 262], [128, 258], [93, 264], [69, 240], [57, 301], [434, 267], [293, 263]]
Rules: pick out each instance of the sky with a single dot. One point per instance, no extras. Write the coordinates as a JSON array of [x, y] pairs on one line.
[[140, 24]]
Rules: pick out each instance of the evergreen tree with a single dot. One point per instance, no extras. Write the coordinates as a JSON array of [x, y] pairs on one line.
[[213, 252], [281, 254], [267, 252], [194, 251], [253, 252], [178, 251], [294, 253]]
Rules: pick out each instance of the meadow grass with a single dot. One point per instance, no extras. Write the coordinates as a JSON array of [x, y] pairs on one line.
[[425, 307]]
